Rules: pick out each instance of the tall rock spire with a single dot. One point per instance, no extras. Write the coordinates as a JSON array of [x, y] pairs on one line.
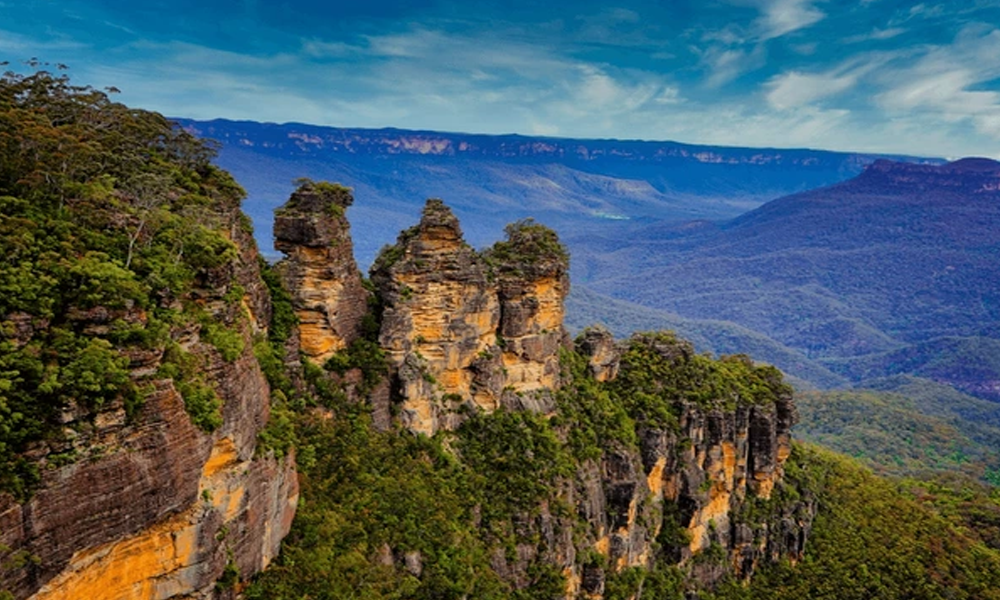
[[320, 270], [463, 328]]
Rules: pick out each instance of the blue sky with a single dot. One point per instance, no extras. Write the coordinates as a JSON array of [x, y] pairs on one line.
[[869, 75]]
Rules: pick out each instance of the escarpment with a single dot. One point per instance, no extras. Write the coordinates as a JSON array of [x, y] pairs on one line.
[[641, 454], [168, 494], [698, 488]]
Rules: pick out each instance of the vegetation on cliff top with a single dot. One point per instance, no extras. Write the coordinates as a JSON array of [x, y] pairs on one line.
[[108, 218], [309, 195], [529, 246]]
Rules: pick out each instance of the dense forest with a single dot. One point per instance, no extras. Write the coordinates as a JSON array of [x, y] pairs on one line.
[[111, 220], [108, 214]]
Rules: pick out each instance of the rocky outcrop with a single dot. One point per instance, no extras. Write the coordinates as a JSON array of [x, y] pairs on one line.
[[151, 506], [532, 274], [698, 491], [484, 330], [464, 329], [319, 269], [602, 352], [691, 489], [439, 322]]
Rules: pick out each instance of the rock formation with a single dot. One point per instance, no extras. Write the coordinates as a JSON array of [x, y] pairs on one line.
[[152, 507], [320, 270], [603, 355], [687, 490], [532, 273], [464, 328], [160, 509]]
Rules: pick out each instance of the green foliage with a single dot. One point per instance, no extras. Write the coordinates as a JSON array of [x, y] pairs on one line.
[[870, 541], [278, 436], [283, 319], [366, 492], [95, 375], [201, 401], [230, 576], [362, 354], [593, 419], [337, 197], [324, 391], [390, 254], [227, 340], [584, 307], [658, 371], [95, 280], [894, 434], [515, 457], [108, 216], [528, 245], [971, 506]]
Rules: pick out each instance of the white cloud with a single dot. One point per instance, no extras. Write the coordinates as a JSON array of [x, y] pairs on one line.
[[726, 64], [735, 50], [875, 34], [781, 17], [322, 49], [669, 95], [944, 82], [18, 44], [544, 129], [794, 89]]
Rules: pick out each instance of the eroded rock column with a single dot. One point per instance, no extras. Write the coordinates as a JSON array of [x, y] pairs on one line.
[[532, 272], [439, 324], [320, 270]]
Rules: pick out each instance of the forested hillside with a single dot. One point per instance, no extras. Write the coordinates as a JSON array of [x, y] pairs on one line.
[[130, 400]]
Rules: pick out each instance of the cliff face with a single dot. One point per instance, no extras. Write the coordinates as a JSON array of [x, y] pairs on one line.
[[686, 473], [698, 493], [152, 506], [328, 297], [462, 328], [694, 485]]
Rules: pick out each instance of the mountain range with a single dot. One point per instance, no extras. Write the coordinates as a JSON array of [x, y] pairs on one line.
[[836, 267], [573, 185], [893, 271]]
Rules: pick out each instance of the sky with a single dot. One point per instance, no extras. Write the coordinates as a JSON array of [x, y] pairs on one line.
[[867, 75]]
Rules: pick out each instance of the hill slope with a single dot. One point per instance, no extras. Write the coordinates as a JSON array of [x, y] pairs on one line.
[[892, 272]]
